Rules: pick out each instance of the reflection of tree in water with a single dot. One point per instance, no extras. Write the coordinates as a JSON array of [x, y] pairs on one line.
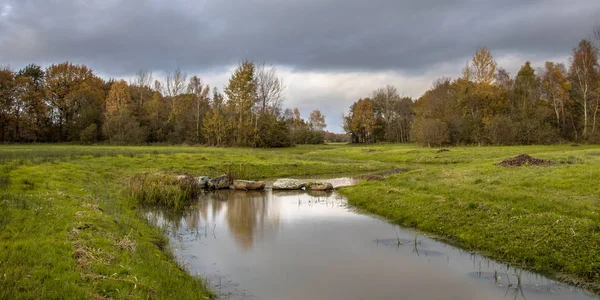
[[250, 214], [213, 202]]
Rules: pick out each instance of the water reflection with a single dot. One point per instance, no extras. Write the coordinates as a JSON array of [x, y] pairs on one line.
[[247, 214], [275, 244]]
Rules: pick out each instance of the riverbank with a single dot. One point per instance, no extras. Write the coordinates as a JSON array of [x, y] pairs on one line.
[[68, 227], [544, 218]]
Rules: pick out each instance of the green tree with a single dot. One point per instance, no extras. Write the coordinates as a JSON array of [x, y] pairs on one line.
[[241, 95]]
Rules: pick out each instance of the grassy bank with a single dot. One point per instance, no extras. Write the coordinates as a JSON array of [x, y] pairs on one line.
[[69, 229], [545, 218], [68, 226]]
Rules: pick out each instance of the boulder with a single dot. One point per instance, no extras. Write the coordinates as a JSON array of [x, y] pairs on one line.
[[288, 184], [202, 181], [219, 182], [319, 186], [248, 185]]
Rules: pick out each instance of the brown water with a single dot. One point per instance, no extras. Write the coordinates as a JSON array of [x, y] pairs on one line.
[[304, 245]]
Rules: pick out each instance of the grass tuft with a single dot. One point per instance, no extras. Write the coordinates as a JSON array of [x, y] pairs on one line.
[[170, 190]]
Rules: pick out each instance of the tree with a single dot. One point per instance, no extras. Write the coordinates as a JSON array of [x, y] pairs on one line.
[[30, 90], [269, 89], [555, 89], [199, 92], [384, 100], [362, 119], [584, 78], [215, 127], [141, 92], [316, 121], [526, 88], [7, 84], [67, 87], [175, 83], [120, 125], [482, 68], [241, 95]]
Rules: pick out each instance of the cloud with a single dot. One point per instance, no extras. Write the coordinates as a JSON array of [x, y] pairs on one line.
[[332, 35], [329, 49]]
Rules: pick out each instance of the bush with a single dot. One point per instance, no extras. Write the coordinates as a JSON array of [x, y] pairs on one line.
[[90, 134], [432, 132]]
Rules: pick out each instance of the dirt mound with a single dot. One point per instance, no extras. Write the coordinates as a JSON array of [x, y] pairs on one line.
[[524, 160]]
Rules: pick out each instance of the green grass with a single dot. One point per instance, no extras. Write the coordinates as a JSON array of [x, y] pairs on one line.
[[544, 218], [70, 226]]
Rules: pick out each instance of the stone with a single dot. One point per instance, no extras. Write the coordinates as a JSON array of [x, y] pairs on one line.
[[182, 177], [202, 182], [319, 186], [248, 185], [288, 184], [219, 182]]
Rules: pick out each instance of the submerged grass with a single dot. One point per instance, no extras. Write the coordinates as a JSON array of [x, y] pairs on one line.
[[70, 223]]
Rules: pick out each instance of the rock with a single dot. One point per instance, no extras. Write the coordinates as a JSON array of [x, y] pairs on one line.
[[182, 177], [319, 186], [288, 184], [248, 185], [202, 182], [219, 182]]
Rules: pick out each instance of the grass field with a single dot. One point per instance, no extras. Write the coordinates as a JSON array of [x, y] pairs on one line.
[[68, 226]]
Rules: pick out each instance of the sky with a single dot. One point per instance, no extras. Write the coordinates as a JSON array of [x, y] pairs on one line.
[[329, 53]]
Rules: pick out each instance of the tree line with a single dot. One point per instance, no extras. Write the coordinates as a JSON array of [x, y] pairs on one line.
[[68, 103], [489, 106]]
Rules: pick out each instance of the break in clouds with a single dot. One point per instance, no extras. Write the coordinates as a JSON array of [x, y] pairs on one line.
[[329, 52]]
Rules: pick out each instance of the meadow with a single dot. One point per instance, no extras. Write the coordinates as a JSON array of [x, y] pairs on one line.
[[68, 225]]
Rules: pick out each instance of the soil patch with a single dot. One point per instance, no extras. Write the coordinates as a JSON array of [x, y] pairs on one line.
[[524, 160]]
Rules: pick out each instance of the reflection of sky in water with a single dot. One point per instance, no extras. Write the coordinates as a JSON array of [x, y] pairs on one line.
[[302, 245]]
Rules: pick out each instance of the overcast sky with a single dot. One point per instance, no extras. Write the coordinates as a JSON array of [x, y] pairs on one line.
[[329, 52]]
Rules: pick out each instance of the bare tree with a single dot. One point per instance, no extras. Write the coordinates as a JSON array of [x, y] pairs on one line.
[[269, 89], [143, 78], [584, 75], [158, 86], [201, 101], [176, 82]]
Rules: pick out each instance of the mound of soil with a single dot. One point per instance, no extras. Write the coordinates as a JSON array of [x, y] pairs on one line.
[[524, 160]]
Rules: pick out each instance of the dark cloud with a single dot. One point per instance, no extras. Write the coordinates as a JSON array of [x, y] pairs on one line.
[[120, 37]]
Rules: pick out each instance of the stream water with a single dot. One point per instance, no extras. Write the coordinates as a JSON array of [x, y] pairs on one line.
[[309, 245]]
